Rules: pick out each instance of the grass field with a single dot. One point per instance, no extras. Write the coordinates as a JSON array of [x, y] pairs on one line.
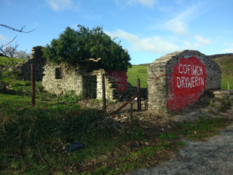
[[33, 139]]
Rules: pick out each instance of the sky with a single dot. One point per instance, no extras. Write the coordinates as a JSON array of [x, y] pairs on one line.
[[148, 29]]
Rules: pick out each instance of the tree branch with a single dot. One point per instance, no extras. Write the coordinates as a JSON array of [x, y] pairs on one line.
[[89, 60], [7, 43], [14, 49], [15, 29]]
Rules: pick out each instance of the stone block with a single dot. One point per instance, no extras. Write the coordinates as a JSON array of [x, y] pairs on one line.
[[221, 96], [221, 92]]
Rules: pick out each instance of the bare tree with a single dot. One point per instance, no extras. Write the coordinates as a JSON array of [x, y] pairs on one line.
[[11, 52], [13, 48], [22, 54]]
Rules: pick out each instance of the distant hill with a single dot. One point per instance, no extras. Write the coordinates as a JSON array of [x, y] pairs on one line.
[[1, 54], [143, 64]]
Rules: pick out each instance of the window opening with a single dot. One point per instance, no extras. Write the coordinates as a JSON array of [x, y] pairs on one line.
[[58, 73]]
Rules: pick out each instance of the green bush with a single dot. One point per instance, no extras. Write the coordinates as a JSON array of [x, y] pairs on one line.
[[26, 83], [9, 75], [15, 84]]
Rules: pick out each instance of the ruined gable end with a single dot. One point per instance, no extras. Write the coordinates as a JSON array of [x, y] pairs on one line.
[[180, 78]]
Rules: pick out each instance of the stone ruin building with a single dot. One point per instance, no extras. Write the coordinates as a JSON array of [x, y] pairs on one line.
[[174, 80], [57, 79]]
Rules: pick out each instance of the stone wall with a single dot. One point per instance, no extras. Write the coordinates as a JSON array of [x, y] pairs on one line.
[[180, 78], [160, 93], [90, 85], [58, 80], [45, 72], [219, 55], [23, 69]]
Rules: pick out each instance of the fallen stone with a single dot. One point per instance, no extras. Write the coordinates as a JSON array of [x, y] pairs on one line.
[[225, 114], [207, 113], [221, 92], [217, 104], [214, 110]]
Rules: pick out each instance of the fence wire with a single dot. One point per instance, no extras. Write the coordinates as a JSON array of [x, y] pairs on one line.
[[16, 88]]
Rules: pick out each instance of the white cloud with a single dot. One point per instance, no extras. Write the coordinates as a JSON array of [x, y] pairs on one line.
[[154, 44], [229, 50], [146, 3], [195, 46], [189, 46], [59, 5], [2, 38], [178, 27], [202, 40], [74, 26], [165, 8], [180, 1], [178, 23]]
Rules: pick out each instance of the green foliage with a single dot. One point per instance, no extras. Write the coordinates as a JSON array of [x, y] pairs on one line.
[[75, 106], [73, 46], [58, 108], [27, 83], [39, 51], [9, 75]]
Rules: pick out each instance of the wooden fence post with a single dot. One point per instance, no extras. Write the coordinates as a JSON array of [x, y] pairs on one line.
[[103, 93], [228, 85], [131, 115], [138, 92], [32, 85]]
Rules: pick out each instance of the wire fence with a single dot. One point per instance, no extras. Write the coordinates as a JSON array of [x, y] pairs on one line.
[[32, 92], [228, 85]]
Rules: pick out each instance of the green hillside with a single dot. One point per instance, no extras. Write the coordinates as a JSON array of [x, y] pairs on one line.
[[226, 64], [5, 60]]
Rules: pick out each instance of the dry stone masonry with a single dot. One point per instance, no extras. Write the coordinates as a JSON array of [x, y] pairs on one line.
[[180, 78], [58, 79], [89, 84], [23, 69], [222, 98]]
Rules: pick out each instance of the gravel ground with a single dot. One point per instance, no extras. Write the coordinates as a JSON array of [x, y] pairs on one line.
[[211, 157]]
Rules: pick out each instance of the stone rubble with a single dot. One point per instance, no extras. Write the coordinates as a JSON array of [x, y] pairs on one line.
[[206, 111]]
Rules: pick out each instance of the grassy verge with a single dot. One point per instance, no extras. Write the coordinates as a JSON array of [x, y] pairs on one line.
[[130, 150]]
